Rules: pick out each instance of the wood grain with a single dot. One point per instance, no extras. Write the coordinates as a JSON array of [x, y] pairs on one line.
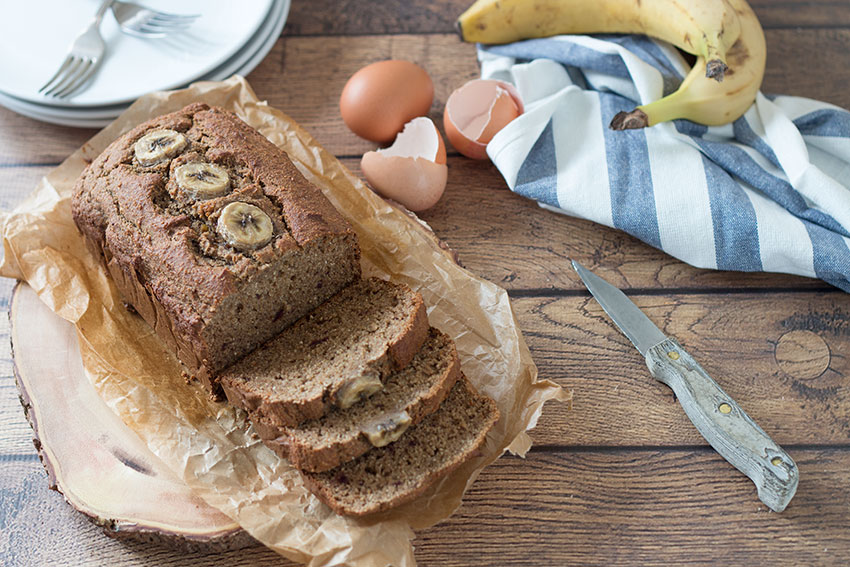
[[303, 76], [622, 478], [643, 507], [531, 248], [321, 66], [349, 17], [734, 337], [797, 64], [18, 182]]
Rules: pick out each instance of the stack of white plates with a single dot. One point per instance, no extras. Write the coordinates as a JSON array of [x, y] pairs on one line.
[[229, 38]]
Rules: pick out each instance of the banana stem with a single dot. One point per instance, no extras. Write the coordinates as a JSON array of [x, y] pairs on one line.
[[715, 57], [671, 107], [633, 120], [716, 69]]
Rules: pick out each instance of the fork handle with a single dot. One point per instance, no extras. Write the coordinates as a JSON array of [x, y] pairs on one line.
[[98, 16]]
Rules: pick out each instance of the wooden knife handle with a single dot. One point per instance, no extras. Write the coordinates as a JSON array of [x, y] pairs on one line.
[[725, 425]]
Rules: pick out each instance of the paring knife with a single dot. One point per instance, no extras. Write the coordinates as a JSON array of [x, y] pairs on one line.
[[716, 416]]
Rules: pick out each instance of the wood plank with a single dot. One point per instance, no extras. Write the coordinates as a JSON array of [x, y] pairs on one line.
[[332, 17], [809, 63], [17, 439], [539, 243], [802, 13], [349, 17], [643, 508], [564, 505], [320, 66], [553, 508], [303, 76], [30, 142], [531, 248], [316, 69], [16, 182], [785, 358]]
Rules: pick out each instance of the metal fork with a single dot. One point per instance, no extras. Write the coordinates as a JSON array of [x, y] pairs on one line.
[[83, 59], [143, 22]]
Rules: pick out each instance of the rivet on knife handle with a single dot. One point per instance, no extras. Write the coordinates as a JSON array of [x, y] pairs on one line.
[[725, 425]]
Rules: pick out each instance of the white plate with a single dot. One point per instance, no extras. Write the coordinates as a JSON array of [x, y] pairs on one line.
[[35, 37], [242, 63], [35, 111], [18, 104]]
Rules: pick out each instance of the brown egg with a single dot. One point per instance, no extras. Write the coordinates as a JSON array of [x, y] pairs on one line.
[[413, 170], [379, 99], [476, 112]]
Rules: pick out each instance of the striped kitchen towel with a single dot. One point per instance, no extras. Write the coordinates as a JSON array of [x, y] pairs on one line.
[[770, 192]]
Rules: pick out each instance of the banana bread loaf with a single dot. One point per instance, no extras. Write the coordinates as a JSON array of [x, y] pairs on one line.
[[335, 356], [409, 395], [388, 476], [211, 234]]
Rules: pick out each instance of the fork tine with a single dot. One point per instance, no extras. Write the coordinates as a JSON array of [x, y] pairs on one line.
[[82, 77], [164, 17], [168, 22], [82, 81], [144, 35], [58, 72], [70, 75], [159, 28]]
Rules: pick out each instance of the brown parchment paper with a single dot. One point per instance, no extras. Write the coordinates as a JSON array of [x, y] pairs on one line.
[[206, 443]]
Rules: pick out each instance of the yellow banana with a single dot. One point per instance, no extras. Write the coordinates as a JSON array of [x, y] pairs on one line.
[[706, 28], [705, 101]]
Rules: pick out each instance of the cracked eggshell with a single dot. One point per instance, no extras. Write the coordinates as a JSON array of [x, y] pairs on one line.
[[379, 99], [476, 112], [413, 170]]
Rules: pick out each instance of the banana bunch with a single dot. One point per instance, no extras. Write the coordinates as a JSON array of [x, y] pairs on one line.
[[725, 35]]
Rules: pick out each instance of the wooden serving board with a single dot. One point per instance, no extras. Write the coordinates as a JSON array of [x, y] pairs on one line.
[[100, 466]]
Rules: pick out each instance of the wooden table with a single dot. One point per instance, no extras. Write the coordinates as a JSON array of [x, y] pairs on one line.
[[621, 477]]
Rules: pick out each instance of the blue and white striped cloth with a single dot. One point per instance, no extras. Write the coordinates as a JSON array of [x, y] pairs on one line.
[[770, 192]]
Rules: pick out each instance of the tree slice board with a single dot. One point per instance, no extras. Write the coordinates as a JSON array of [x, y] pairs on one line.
[[100, 465]]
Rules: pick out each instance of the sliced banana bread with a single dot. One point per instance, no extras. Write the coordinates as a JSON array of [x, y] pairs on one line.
[[409, 395], [211, 234], [338, 354], [388, 476]]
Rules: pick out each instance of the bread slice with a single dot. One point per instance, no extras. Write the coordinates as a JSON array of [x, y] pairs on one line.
[[409, 395], [388, 476], [335, 356]]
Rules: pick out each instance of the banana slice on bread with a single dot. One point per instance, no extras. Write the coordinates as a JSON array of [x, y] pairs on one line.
[[244, 226], [388, 429], [158, 146], [201, 180]]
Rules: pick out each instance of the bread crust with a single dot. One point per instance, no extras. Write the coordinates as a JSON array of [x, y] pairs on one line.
[[291, 411], [303, 455], [322, 485], [162, 250]]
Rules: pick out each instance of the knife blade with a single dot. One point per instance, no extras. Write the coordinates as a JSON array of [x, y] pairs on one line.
[[718, 418]]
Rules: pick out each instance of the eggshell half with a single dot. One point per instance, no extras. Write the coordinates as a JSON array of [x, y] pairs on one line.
[[413, 170], [476, 112]]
